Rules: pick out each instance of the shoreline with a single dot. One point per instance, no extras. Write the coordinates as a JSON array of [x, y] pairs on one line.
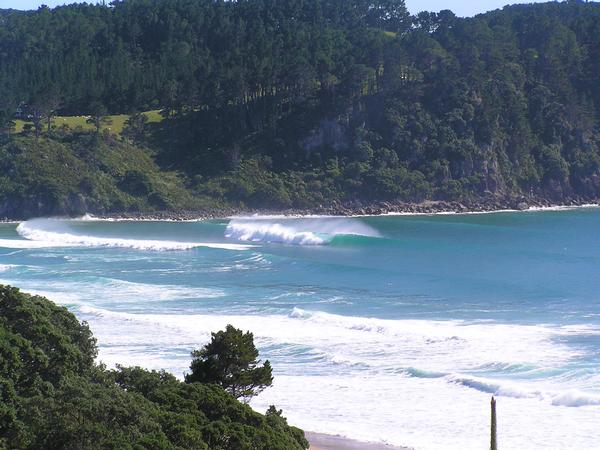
[[337, 210], [375, 209], [322, 441]]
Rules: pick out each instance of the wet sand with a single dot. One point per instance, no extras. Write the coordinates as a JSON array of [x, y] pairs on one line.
[[320, 441]]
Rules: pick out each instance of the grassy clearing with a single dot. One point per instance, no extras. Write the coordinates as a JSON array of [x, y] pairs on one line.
[[114, 123]]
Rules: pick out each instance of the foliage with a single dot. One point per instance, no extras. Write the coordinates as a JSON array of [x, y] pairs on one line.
[[230, 360], [76, 173], [53, 396], [293, 104]]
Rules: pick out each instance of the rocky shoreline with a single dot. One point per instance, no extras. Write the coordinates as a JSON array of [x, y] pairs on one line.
[[356, 208]]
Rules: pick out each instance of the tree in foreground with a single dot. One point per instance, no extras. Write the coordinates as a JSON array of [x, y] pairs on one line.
[[53, 396], [230, 360]]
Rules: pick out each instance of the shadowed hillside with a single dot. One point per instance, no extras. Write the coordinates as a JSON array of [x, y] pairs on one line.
[[291, 104]]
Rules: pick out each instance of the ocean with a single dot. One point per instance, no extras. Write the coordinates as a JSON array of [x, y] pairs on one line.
[[393, 329]]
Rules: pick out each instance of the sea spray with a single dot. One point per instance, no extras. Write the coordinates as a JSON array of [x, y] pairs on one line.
[[272, 233], [41, 233], [313, 231]]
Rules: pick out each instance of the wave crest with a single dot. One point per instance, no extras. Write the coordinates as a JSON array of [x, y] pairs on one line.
[[7, 267], [571, 397], [54, 233], [307, 231], [272, 233]]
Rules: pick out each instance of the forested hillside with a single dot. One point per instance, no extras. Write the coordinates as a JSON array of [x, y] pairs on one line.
[[295, 104]]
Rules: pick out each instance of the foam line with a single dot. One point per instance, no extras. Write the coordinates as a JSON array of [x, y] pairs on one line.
[[41, 233]]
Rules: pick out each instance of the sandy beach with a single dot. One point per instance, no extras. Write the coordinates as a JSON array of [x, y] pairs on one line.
[[320, 441]]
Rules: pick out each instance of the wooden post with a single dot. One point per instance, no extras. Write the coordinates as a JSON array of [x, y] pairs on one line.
[[493, 437]]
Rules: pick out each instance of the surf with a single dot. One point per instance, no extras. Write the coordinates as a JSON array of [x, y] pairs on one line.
[[306, 231], [367, 346], [48, 233]]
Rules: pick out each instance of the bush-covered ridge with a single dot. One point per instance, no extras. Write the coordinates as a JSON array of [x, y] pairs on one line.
[[53, 395], [293, 104], [82, 172]]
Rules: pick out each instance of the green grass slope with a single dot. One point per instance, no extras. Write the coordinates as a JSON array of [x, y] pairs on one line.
[[84, 172], [113, 123]]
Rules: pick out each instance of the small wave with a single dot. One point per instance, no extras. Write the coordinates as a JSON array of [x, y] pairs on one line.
[[121, 291], [338, 341], [497, 366], [318, 231], [561, 207], [575, 398], [7, 267], [420, 373], [25, 244], [41, 233], [571, 397]]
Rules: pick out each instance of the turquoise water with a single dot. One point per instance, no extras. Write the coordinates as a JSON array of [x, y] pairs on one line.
[[393, 329]]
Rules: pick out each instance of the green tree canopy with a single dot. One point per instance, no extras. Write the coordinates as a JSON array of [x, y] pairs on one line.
[[230, 360], [54, 397], [261, 97]]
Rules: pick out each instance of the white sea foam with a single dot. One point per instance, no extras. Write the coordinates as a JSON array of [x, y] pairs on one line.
[[271, 232], [306, 231], [561, 208], [382, 346], [7, 267], [374, 379], [114, 291], [43, 233], [24, 244], [575, 397], [425, 414], [88, 218], [494, 211]]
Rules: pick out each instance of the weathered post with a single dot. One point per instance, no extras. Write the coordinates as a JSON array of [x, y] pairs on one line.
[[493, 437]]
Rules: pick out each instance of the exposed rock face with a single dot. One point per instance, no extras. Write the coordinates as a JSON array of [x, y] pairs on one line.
[[330, 133], [591, 185], [488, 165], [38, 206]]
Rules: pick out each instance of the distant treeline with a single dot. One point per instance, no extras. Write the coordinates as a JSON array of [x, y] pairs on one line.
[[144, 54], [295, 103]]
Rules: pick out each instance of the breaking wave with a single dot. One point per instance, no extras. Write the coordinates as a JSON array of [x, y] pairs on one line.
[[41, 233], [360, 344], [306, 231], [570, 397]]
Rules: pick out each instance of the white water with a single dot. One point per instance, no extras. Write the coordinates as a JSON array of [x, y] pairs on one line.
[[371, 367], [310, 231], [43, 233]]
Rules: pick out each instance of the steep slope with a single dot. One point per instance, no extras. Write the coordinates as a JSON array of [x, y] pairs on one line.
[[293, 104]]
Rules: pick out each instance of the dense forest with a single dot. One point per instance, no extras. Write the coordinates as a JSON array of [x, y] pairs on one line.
[[54, 396], [282, 104]]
